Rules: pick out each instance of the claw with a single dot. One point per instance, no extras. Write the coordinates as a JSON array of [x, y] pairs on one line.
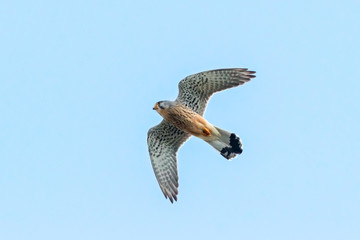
[[206, 132]]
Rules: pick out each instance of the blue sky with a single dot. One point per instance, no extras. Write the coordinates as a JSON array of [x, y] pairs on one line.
[[78, 83]]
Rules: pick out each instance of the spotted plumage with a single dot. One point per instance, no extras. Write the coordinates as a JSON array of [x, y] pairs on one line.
[[184, 118]]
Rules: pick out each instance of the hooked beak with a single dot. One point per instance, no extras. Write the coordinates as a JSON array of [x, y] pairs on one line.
[[156, 106]]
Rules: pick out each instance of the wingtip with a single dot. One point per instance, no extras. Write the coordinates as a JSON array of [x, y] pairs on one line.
[[171, 195], [250, 74], [172, 198], [246, 73]]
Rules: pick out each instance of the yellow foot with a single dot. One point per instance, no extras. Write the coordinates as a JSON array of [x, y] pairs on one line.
[[206, 132]]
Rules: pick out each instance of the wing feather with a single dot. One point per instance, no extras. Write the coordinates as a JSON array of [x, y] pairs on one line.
[[164, 140], [196, 90]]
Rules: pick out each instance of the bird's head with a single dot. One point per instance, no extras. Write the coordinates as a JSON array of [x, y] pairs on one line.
[[162, 105]]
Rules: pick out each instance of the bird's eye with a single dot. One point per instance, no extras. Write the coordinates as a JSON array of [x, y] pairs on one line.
[[160, 104]]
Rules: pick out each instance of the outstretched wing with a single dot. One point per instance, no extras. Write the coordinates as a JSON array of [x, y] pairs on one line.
[[164, 140], [196, 90]]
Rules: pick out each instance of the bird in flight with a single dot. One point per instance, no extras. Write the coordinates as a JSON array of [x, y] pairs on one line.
[[183, 118]]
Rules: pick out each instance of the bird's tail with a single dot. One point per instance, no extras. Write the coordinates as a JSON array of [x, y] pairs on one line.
[[228, 144]]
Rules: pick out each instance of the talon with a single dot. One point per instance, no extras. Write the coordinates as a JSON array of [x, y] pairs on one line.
[[206, 132]]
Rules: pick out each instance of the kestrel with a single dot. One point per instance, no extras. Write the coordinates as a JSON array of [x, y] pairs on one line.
[[183, 118]]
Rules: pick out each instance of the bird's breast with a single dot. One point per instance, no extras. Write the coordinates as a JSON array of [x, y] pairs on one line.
[[188, 121]]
